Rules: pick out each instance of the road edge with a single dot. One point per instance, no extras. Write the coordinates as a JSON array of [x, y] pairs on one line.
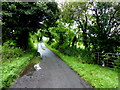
[[85, 83]]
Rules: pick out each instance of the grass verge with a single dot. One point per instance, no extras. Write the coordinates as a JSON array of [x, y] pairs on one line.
[[97, 76], [11, 70]]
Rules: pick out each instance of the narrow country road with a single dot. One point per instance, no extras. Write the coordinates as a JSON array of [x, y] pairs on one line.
[[54, 73]]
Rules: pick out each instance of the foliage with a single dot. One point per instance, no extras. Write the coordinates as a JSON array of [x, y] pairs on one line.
[[8, 53], [104, 30], [77, 11], [117, 63], [33, 41], [62, 35], [90, 72], [82, 54], [97, 21], [10, 43], [21, 18]]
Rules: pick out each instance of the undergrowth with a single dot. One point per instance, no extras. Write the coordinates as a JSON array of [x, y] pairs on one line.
[[10, 52]]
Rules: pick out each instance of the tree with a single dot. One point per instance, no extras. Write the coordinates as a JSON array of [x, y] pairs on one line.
[[62, 35], [21, 18], [77, 11], [98, 22], [105, 26]]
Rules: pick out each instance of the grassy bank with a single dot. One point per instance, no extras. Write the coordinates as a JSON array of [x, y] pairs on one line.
[[97, 76], [11, 70], [14, 61]]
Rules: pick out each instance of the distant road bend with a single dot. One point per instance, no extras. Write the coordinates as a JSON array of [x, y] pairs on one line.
[[54, 73]]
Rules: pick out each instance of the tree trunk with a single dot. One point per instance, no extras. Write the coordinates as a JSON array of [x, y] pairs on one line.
[[85, 40], [23, 40], [50, 39], [74, 40]]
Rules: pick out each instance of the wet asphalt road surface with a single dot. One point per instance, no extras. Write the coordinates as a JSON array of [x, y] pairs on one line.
[[54, 74]]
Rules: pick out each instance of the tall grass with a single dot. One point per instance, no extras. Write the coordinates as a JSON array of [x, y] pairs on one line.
[[10, 52]]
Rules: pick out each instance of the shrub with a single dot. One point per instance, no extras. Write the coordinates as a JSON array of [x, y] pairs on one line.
[[11, 43], [55, 45], [82, 54], [117, 63], [9, 52]]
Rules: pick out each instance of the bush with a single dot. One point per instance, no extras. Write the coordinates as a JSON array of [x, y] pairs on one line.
[[9, 52], [55, 45], [82, 55], [11, 43], [117, 63]]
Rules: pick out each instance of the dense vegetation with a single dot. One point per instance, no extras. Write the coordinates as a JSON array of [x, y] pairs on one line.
[[21, 18], [96, 24], [75, 29], [10, 52]]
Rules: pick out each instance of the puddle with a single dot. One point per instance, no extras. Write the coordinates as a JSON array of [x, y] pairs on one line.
[[30, 68], [37, 67]]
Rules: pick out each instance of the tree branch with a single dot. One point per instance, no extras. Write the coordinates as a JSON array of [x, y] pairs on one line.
[[97, 18], [109, 28]]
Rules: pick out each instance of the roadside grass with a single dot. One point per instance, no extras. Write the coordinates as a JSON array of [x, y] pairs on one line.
[[12, 69], [95, 75]]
